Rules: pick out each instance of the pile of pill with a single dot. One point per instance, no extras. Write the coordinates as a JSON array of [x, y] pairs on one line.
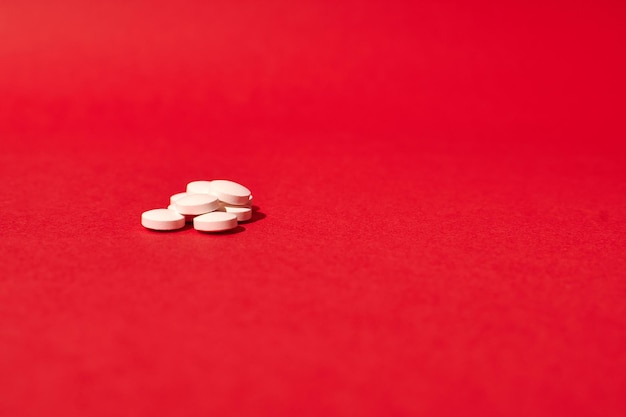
[[212, 206]]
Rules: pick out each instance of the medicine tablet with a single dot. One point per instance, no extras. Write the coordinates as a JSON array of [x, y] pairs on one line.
[[216, 221], [196, 204], [162, 219], [230, 192], [199, 187], [177, 197], [243, 213], [188, 218]]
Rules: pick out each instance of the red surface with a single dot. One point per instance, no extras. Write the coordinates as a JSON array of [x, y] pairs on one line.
[[442, 208]]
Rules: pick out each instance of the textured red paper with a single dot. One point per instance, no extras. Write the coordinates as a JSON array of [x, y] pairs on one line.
[[442, 208]]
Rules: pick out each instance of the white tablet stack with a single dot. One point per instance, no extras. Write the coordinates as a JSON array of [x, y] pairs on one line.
[[212, 206]]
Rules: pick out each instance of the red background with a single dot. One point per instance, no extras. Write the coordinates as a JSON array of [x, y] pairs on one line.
[[442, 208]]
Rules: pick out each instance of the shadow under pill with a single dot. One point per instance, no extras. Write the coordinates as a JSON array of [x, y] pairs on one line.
[[256, 215]]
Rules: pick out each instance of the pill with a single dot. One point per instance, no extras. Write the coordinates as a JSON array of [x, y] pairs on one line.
[[230, 192], [243, 213], [162, 219], [199, 187], [216, 221], [188, 217], [196, 204], [177, 196]]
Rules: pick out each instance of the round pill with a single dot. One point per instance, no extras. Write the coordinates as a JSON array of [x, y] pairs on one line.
[[230, 192], [199, 187], [243, 213], [188, 217], [216, 221], [196, 204], [162, 219], [177, 197]]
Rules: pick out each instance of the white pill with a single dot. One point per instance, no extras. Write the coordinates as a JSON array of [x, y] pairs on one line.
[[162, 219], [177, 197], [243, 213], [196, 204], [230, 192], [216, 221], [248, 204], [199, 187], [188, 218]]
